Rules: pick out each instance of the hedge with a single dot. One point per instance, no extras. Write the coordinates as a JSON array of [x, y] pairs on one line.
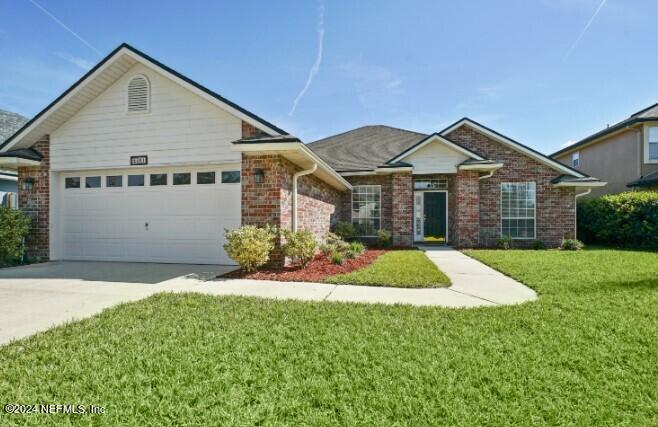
[[629, 219]]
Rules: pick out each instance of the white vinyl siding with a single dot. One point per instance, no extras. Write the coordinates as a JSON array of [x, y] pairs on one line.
[[435, 158], [180, 128], [518, 206], [366, 209]]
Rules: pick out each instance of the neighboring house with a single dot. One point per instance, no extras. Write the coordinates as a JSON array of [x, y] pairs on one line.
[[136, 162], [9, 123], [624, 154]]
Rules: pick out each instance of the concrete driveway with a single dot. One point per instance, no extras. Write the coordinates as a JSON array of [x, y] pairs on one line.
[[34, 298]]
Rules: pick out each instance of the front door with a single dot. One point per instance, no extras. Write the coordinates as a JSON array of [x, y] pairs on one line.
[[434, 217]]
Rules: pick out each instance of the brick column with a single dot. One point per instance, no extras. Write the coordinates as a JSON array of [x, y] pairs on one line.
[[467, 209], [35, 203], [402, 210]]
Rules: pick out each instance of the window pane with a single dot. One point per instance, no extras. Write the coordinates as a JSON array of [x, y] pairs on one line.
[[73, 182], [653, 151], [653, 134], [366, 209], [230, 177], [182, 178], [114, 181], [93, 182], [158, 179], [205, 178], [135, 180], [518, 210]]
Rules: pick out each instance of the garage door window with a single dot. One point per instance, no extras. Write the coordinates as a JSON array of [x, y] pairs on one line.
[[182, 178], [230, 177], [158, 179], [205, 178], [72, 182], [114, 181], [93, 182], [135, 180]]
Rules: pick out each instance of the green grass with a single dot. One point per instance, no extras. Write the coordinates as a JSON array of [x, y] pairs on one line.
[[584, 354], [401, 269]]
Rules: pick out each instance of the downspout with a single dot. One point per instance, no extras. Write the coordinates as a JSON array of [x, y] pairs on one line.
[[489, 175], [575, 226], [294, 192]]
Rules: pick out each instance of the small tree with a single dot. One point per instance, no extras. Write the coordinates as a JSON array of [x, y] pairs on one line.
[[250, 246], [14, 227], [300, 246]]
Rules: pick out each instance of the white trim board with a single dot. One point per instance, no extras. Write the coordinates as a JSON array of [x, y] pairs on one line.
[[442, 140]]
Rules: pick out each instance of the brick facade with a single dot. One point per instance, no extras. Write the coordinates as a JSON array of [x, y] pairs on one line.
[[467, 209], [402, 209], [556, 207], [250, 131], [270, 202], [35, 203]]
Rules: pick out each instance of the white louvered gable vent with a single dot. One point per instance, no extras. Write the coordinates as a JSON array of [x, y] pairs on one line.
[[138, 94]]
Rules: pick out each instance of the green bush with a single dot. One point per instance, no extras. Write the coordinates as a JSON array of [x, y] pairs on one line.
[[357, 248], [336, 243], [336, 258], [504, 242], [250, 246], [300, 246], [383, 238], [538, 245], [571, 245], [629, 218], [14, 227], [345, 230]]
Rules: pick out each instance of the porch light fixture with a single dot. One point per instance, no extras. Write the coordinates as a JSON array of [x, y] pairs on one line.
[[259, 176], [28, 184]]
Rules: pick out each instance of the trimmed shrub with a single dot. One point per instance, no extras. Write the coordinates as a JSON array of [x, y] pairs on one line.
[[571, 245], [357, 248], [629, 218], [345, 230], [383, 238], [14, 227], [300, 246], [250, 246], [504, 242], [538, 245]]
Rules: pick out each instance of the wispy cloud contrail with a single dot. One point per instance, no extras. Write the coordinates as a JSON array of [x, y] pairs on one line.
[[61, 24], [316, 65], [582, 33]]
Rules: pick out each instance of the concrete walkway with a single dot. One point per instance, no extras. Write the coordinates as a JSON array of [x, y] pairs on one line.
[[473, 285]]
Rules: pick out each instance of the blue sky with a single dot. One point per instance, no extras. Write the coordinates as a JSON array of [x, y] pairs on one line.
[[532, 70]]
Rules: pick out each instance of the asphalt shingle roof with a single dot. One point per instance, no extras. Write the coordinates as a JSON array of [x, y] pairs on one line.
[[364, 148], [10, 123]]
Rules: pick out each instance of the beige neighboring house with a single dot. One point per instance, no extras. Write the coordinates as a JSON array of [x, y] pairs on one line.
[[624, 154]]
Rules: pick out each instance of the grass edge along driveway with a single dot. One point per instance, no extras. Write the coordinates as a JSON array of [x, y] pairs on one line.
[[398, 268]]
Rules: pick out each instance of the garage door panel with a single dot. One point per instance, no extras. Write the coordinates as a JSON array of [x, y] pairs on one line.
[[185, 223]]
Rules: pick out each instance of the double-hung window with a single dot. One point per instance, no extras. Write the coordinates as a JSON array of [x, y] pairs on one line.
[[653, 145], [518, 201], [366, 209]]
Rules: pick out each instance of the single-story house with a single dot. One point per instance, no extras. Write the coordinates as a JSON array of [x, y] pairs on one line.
[[136, 162]]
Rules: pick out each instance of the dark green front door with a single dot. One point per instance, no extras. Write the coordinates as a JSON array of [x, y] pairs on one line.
[[435, 217]]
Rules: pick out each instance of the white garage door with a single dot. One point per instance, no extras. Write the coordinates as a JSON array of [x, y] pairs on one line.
[[121, 220]]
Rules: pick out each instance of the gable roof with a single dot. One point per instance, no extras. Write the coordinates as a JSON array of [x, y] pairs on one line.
[[515, 145], [364, 148], [647, 114], [10, 123], [438, 138], [104, 74]]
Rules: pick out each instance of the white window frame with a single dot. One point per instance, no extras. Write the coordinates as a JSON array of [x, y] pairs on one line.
[[433, 184], [575, 159], [354, 191], [534, 217], [648, 142]]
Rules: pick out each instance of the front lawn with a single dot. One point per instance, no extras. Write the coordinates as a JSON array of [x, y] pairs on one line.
[[401, 269], [584, 354]]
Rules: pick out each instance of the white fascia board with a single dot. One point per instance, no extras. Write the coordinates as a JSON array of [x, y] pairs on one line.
[[441, 139], [514, 145], [581, 184], [384, 171], [200, 93], [487, 167], [8, 177], [12, 163]]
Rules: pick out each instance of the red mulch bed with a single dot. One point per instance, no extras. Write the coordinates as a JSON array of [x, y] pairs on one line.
[[316, 271]]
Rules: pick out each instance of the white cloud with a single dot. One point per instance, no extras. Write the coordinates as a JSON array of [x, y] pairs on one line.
[[318, 60], [78, 62]]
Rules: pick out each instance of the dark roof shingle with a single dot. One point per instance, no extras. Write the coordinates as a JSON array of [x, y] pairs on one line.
[[364, 148], [10, 123]]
